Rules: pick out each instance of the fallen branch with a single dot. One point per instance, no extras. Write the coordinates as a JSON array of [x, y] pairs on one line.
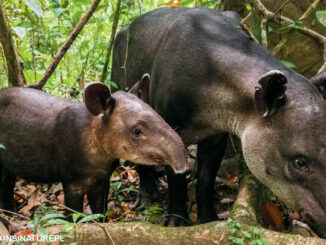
[[245, 211], [14, 64], [111, 42], [62, 51]]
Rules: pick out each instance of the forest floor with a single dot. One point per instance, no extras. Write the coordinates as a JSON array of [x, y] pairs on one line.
[[35, 200]]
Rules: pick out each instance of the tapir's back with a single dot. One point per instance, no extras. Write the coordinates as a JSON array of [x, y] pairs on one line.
[[32, 122]]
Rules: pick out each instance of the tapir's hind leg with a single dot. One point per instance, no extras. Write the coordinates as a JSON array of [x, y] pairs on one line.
[[209, 156], [7, 185]]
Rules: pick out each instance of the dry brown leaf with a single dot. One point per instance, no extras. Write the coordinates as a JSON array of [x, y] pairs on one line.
[[272, 216], [61, 198], [132, 175], [25, 232], [33, 201], [173, 4]]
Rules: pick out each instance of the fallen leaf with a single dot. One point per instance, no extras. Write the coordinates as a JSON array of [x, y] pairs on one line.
[[61, 198], [33, 201], [173, 4], [272, 216], [25, 232]]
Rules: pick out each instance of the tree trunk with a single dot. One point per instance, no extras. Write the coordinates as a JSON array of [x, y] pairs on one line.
[[14, 65]]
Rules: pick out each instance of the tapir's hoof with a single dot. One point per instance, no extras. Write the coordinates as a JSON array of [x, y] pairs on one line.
[[174, 221]]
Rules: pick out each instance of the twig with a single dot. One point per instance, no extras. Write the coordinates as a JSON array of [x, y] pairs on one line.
[[263, 11], [244, 27], [277, 19], [113, 31], [281, 7], [62, 51], [263, 26], [10, 212], [303, 226]]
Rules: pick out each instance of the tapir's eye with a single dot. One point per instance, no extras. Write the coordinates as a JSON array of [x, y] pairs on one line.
[[137, 132], [301, 163]]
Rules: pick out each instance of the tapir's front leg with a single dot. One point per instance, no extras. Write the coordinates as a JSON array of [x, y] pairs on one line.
[[74, 195], [209, 156], [97, 193], [177, 210], [98, 197]]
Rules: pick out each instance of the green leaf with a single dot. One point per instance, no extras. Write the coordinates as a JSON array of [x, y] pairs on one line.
[[237, 240], [248, 7], [58, 12], [35, 7], [76, 17], [237, 225], [76, 216], [232, 231], [321, 17], [128, 189], [246, 234], [288, 64], [20, 31], [57, 222], [256, 231], [294, 25], [90, 217], [2, 146], [69, 226], [42, 231], [51, 216]]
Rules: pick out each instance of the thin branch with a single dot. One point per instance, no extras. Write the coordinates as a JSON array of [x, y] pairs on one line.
[[244, 27], [62, 51], [265, 13], [278, 19], [14, 65], [263, 26], [113, 31]]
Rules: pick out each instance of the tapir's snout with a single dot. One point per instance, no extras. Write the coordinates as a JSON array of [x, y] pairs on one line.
[[180, 166], [176, 154]]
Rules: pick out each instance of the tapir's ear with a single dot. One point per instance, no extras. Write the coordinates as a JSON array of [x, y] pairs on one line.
[[98, 98], [320, 82], [141, 88], [270, 95]]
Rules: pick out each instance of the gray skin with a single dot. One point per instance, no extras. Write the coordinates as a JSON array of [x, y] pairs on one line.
[[208, 78], [49, 139]]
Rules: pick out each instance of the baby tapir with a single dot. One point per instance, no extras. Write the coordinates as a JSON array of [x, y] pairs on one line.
[[49, 139]]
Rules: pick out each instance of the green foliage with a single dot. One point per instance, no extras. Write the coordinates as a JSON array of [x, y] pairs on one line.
[[152, 214], [288, 64], [2, 146], [47, 217], [321, 17], [239, 236]]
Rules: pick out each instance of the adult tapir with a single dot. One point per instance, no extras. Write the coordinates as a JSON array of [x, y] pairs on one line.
[[208, 79]]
